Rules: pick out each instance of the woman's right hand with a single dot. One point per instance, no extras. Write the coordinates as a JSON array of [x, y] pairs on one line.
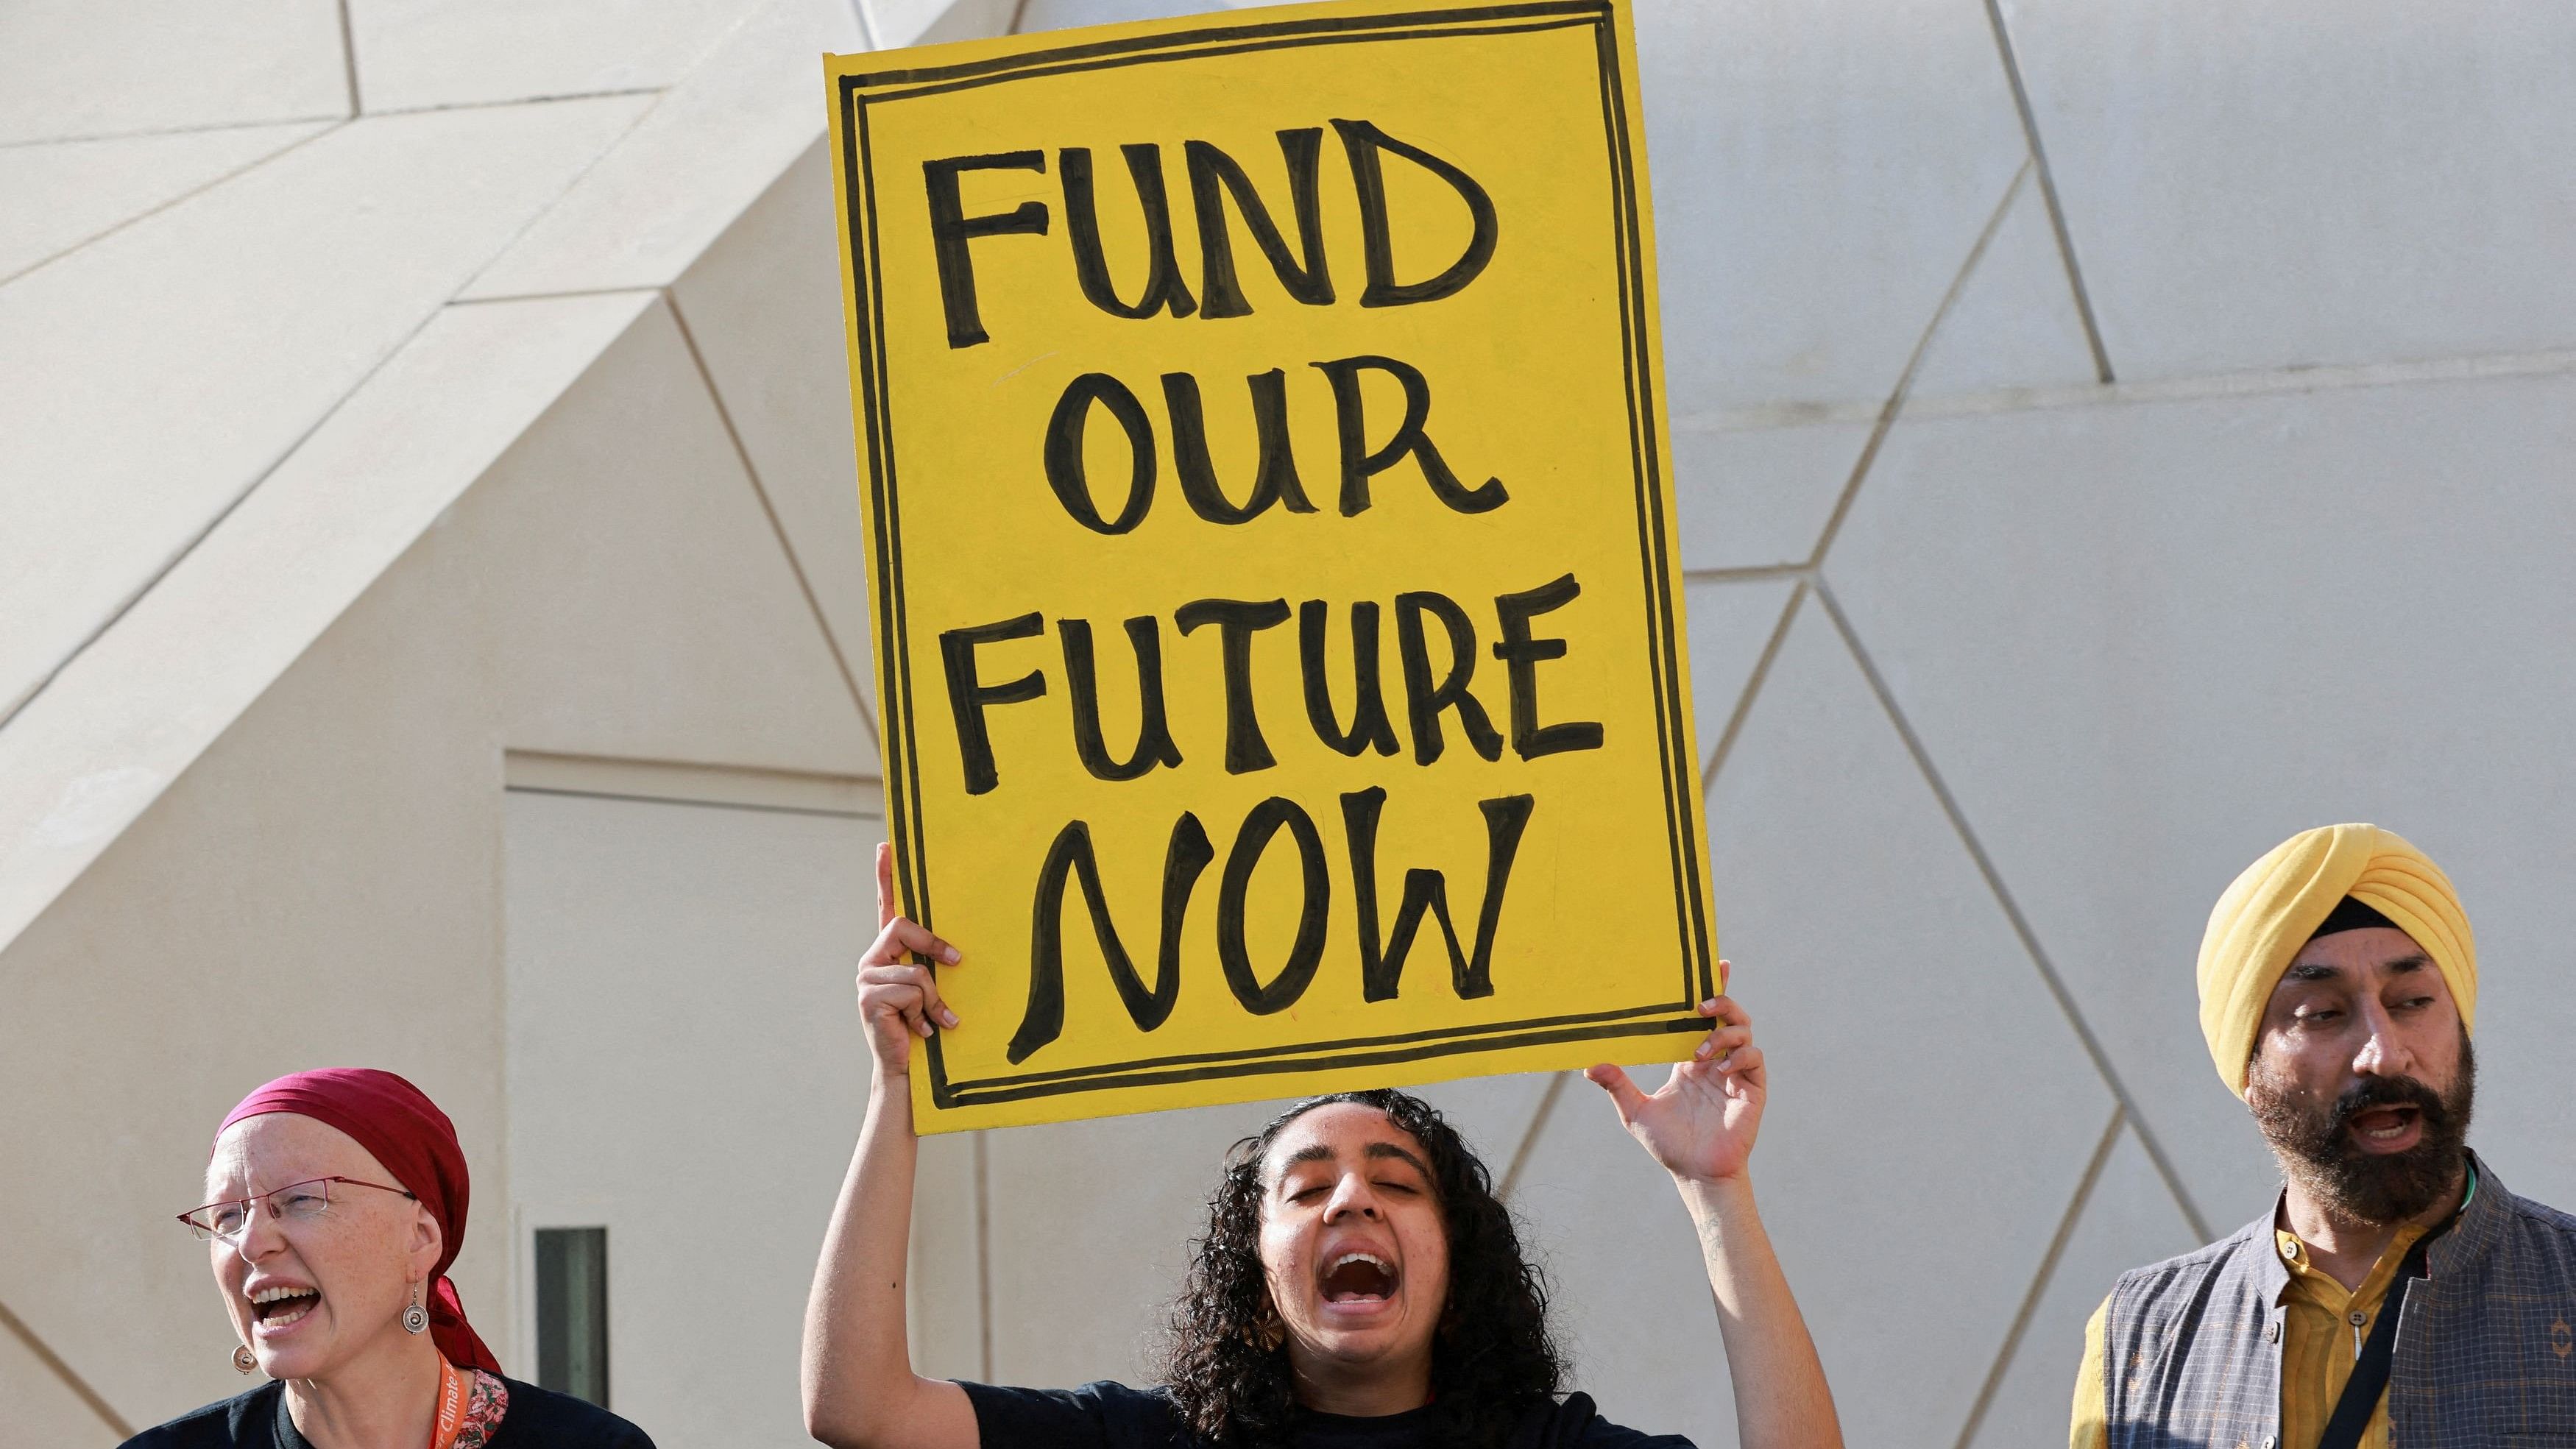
[[899, 1001]]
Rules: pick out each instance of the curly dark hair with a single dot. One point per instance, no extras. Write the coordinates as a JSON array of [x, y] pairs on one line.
[[1226, 1369]]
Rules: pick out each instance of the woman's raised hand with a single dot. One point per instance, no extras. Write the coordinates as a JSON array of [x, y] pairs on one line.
[[899, 1001], [859, 1388], [1700, 1124]]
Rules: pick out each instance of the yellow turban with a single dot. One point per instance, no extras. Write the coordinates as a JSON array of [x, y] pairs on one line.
[[2272, 909]]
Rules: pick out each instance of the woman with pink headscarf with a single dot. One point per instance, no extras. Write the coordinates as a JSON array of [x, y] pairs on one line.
[[338, 1202]]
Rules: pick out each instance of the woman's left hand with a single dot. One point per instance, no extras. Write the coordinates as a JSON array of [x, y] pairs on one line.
[[1701, 1123]]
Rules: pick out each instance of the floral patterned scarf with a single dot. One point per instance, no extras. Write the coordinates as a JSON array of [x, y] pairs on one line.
[[470, 1405]]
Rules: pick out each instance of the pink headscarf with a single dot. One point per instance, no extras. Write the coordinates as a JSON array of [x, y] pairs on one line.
[[417, 1144]]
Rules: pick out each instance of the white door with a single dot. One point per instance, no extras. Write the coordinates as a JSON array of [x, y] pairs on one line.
[[685, 1070]]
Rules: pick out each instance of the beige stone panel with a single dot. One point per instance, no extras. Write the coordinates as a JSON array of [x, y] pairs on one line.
[[320, 889], [1629, 1293], [1820, 172], [1494, 1114], [647, 608], [156, 375], [763, 307], [2129, 1221], [2146, 641], [928, 22], [686, 1068], [63, 193], [2262, 186], [1931, 1109], [68, 69], [2014, 322], [137, 707], [945, 1299], [1067, 14], [711, 145], [1731, 624], [417, 53], [1756, 497], [42, 1408], [1090, 1230]]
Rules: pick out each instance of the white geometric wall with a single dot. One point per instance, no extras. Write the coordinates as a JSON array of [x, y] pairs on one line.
[[2112, 435]]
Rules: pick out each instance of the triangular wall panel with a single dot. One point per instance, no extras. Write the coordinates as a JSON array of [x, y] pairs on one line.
[[1884, 979], [1731, 624], [763, 308], [2129, 1221], [2014, 323], [63, 193], [646, 607]]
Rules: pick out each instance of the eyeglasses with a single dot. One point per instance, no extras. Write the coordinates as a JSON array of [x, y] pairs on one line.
[[297, 1202]]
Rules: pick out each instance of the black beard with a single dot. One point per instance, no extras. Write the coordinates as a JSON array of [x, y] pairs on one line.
[[2314, 1142]]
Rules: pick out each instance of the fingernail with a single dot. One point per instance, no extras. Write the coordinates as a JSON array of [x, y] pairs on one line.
[[949, 955], [1708, 1005], [947, 1017], [1703, 1050]]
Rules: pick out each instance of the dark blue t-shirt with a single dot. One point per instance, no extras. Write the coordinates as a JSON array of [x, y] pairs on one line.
[[1113, 1416], [537, 1419]]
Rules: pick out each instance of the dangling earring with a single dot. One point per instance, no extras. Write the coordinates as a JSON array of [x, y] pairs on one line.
[[1270, 1332], [243, 1358], [415, 1319]]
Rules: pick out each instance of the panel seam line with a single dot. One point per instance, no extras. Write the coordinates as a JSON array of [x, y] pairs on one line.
[[1752, 687], [349, 60], [983, 1261], [769, 510], [73, 1381], [149, 132], [11, 709], [2048, 191], [556, 296], [2003, 896], [1529, 1137], [2047, 1270], [432, 108], [181, 554], [191, 194], [632, 797], [1895, 404]]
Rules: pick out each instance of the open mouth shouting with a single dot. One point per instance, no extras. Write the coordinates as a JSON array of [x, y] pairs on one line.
[[277, 1307], [1357, 1283], [2392, 1127]]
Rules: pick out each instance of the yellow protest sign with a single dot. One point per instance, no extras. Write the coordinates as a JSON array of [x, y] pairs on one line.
[[1280, 652]]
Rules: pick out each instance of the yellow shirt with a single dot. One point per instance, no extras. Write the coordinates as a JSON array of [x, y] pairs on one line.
[[2324, 1328]]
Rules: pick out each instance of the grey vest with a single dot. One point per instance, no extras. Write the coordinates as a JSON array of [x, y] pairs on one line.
[[2486, 1345]]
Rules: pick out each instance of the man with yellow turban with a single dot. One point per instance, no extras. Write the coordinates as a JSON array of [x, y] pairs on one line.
[[2396, 1294]]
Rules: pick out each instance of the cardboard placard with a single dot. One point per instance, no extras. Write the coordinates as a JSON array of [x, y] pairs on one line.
[[1280, 652]]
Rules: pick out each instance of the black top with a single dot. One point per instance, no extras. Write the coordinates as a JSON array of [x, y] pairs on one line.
[[1113, 1416], [537, 1418]]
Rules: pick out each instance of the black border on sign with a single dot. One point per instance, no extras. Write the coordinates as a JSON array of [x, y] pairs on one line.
[[1680, 769]]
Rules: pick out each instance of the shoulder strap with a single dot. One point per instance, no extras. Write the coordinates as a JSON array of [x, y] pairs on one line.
[[2369, 1379]]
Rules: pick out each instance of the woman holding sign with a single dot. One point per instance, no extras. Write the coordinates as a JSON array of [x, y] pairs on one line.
[[1359, 1284]]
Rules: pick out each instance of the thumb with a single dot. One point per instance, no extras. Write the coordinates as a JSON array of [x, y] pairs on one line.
[[1622, 1089], [885, 885]]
